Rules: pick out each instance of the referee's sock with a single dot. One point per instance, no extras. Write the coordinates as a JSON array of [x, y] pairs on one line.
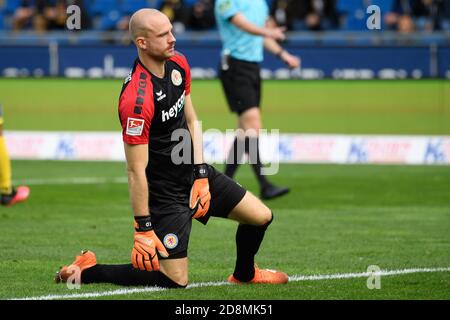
[[252, 149], [234, 157], [126, 275], [248, 240]]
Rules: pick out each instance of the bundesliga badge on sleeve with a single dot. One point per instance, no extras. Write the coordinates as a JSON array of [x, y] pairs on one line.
[[135, 126]]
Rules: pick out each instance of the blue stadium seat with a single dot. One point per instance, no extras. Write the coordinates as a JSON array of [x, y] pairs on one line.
[[109, 20], [190, 3], [349, 6], [101, 7], [155, 3], [355, 23], [128, 7], [446, 24], [385, 5], [88, 5], [2, 21], [355, 12], [10, 6]]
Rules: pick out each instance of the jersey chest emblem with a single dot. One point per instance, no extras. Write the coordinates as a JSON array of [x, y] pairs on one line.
[[176, 77]]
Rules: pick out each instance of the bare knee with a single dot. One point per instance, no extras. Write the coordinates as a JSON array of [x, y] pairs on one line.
[[179, 278], [251, 210], [176, 270], [250, 121], [262, 215], [265, 217]]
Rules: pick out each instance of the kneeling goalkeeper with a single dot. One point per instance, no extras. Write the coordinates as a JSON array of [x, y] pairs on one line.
[[155, 102]]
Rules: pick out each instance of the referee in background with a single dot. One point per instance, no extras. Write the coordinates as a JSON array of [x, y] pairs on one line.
[[246, 30]]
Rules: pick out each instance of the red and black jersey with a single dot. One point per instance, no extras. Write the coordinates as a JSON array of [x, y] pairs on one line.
[[150, 110]]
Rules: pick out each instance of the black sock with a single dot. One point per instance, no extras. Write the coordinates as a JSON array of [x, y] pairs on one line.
[[5, 198], [233, 159], [248, 240], [252, 149], [126, 275]]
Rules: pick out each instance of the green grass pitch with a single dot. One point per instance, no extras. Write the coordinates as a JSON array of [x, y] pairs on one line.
[[337, 219], [366, 107]]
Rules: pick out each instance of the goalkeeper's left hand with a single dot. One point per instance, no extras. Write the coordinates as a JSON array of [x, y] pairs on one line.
[[200, 197], [146, 243]]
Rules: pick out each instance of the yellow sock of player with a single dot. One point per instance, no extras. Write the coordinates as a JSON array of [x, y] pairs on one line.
[[5, 168]]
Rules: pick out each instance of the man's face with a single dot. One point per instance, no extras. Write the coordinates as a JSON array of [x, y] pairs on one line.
[[159, 41]]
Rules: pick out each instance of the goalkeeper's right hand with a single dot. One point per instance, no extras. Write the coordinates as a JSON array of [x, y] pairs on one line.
[[146, 243]]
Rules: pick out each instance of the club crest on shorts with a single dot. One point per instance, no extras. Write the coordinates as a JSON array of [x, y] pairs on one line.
[[176, 77], [170, 241]]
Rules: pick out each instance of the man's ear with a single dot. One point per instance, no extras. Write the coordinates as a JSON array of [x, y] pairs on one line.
[[141, 43]]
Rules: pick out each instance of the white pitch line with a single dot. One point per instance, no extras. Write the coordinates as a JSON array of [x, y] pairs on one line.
[[75, 180], [295, 278], [367, 274]]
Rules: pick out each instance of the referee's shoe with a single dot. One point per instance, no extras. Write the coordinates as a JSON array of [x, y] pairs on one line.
[[270, 192]]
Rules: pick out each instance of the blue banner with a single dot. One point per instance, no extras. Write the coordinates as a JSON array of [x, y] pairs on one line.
[[339, 62]]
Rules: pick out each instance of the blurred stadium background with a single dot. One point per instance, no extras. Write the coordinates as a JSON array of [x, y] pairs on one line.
[[334, 42], [362, 97]]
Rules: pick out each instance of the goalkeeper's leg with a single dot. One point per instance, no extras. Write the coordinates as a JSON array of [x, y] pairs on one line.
[[127, 275], [85, 270], [254, 218]]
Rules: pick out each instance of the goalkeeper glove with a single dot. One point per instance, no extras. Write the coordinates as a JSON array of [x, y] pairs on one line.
[[146, 243], [200, 197]]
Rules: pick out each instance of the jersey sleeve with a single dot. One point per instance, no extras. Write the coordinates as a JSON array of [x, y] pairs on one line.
[[227, 9], [136, 110], [187, 86]]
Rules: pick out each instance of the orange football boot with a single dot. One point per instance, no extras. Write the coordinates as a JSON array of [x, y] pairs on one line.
[[83, 261], [266, 276]]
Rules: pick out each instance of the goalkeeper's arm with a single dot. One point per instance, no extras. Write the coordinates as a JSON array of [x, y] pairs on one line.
[[137, 160], [146, 243], [200, 196]]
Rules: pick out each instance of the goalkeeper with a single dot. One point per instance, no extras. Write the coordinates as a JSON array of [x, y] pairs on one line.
[[166, 195]]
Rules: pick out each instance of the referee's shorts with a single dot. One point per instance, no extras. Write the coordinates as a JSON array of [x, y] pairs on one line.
[[241, 82]]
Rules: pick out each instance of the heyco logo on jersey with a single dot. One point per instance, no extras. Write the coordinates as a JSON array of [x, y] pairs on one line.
[[174, 110]]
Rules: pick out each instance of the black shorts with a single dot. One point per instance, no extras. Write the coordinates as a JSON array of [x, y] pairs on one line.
[[241, 83], [172, 224]]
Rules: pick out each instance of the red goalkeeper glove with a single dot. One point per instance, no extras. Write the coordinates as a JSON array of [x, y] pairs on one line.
[[146, 243], [200, 197]]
